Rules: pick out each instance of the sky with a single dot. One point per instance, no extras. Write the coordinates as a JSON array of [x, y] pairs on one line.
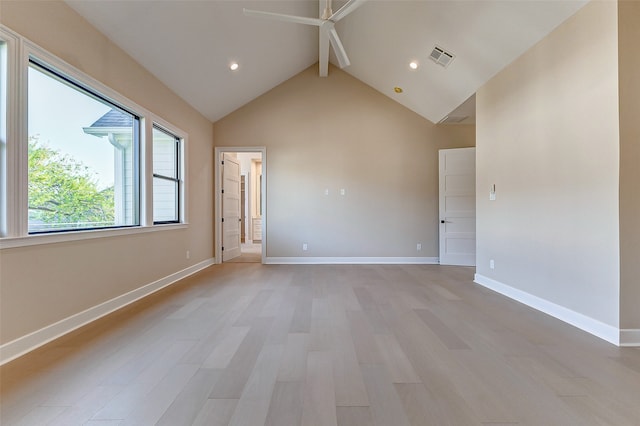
[[57, 113]]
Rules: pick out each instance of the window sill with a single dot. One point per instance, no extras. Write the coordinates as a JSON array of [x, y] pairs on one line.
[[40, 239]]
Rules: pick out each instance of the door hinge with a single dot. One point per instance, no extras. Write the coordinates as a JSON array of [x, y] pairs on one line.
[[223, 191], [223, 219], [222, 248], [223, 162]]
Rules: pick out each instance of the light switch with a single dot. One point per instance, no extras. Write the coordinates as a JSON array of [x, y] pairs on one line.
[[343, 191], [492, 193]]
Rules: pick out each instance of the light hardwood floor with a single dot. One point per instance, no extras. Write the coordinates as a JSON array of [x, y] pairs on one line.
[[349, 345], [249, 253]]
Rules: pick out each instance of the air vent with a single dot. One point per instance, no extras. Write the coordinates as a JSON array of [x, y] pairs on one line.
[[452, 119], [441, 56]]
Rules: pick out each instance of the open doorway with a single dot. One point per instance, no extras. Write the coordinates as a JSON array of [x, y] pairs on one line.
[[241, 205]]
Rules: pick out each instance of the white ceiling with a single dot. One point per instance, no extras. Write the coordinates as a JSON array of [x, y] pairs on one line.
[[189, 45]]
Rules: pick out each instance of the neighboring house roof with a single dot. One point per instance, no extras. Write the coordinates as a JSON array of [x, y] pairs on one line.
[[113, 118], [115, 124]]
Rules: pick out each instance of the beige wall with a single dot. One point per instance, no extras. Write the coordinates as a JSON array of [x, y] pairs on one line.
[[333, 133], [629, 35], [547, 137], [40, 285]]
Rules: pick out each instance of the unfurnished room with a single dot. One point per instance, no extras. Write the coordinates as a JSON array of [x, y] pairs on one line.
[[319, 212]]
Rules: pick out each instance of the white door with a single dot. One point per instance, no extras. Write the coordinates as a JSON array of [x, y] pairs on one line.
[[230, 207], [458, 206]]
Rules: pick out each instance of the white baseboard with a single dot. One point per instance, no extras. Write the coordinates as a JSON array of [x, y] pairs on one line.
[[630, 337], [20, 346], [351, 260], [599, 329]]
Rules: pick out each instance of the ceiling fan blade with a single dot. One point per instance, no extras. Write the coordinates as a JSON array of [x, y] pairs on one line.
[[349, 7], [286, 18], [324, 53], [338, 48]]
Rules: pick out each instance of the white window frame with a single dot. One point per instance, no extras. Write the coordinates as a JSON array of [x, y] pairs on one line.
[[13, 194], [127, 212], [9, 197], [182, 154]]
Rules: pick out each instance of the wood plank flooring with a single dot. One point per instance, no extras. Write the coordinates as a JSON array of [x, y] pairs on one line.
[[324, 345]]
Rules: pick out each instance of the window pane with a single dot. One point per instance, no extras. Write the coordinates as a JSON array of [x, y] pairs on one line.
[[165, 200], [165, 154], [82, 158], [166, 197]]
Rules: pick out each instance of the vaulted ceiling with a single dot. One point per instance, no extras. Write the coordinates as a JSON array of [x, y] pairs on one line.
[[189, 45]]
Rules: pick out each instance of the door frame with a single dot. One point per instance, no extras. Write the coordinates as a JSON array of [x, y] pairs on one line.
[[217, 172]]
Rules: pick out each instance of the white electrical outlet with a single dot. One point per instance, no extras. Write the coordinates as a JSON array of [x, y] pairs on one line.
[[326, 192], [492, 264], [188, 254], [343, 191], [419, 246], [304, 246]]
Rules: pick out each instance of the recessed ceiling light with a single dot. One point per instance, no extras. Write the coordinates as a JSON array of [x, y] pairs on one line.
[[397, 89], [234, 66], [413, 65]]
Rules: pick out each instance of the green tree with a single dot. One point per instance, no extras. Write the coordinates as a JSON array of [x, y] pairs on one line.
[[63, 190]]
